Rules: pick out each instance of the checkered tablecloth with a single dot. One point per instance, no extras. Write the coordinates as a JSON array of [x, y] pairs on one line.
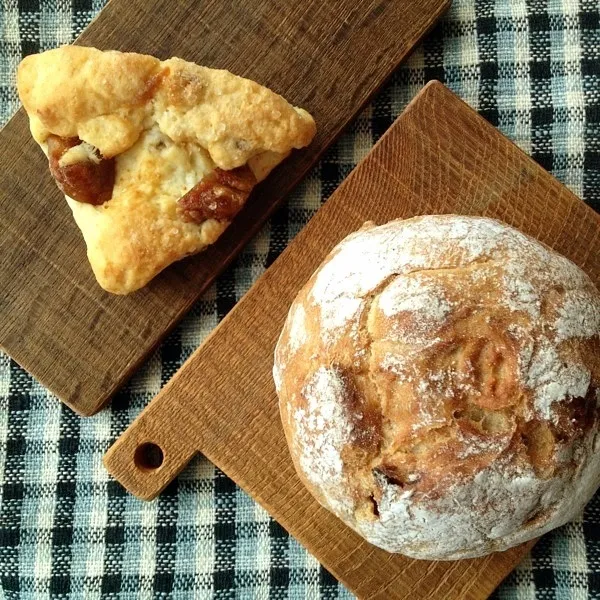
[[532, 68]]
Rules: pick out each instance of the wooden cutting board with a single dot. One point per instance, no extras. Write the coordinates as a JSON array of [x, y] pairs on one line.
[[439, 157], [328, 56]]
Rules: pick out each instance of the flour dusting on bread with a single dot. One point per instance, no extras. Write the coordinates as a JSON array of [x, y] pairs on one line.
[[554, 379], [323, 429], [470, 352]]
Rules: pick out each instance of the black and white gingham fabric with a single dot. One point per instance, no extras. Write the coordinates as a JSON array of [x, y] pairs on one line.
[[532, 68]]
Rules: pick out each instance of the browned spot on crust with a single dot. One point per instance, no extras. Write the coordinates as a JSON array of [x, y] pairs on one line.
[[540, 445], [183, 88], [484, 369], [152, 86], [364, 416]]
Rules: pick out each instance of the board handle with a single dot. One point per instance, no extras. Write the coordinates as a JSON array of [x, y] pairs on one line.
[[151, 452]]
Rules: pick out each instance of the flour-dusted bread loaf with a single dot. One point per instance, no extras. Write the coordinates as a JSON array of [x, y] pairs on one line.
[[439, 383]]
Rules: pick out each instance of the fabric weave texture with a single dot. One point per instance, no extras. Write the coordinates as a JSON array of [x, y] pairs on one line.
[[532, 68]]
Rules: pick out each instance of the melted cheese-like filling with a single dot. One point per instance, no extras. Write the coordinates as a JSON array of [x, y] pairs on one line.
[[84, 152]]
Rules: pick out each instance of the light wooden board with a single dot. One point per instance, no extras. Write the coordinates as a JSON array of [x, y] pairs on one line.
[[328, 56], [439, 157]]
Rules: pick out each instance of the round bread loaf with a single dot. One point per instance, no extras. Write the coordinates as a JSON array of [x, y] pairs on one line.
[[439, 386]]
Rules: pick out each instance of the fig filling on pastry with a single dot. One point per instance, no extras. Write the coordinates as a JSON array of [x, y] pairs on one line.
[[83, 174], [220, 195], [80, 171]]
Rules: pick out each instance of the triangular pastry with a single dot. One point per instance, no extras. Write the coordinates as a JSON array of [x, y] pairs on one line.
[[155, 157]]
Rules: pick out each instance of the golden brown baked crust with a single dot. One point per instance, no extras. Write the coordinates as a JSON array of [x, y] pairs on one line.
[[168, 124], [438, 382], [97, 96]]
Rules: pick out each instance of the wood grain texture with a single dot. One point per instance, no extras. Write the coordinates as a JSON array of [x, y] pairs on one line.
[[439, 157], [83, 343]]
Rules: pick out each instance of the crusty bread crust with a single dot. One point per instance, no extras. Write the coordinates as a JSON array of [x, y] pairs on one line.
[[438, 381], [168, 123]]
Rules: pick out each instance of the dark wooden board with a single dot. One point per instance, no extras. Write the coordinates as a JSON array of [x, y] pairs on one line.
[[328, 56], [439, 157]]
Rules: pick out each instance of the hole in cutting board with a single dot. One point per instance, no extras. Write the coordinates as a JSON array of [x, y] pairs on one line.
[[148, 456]]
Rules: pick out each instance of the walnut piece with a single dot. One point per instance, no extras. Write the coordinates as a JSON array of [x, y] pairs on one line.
[[220, 195]]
